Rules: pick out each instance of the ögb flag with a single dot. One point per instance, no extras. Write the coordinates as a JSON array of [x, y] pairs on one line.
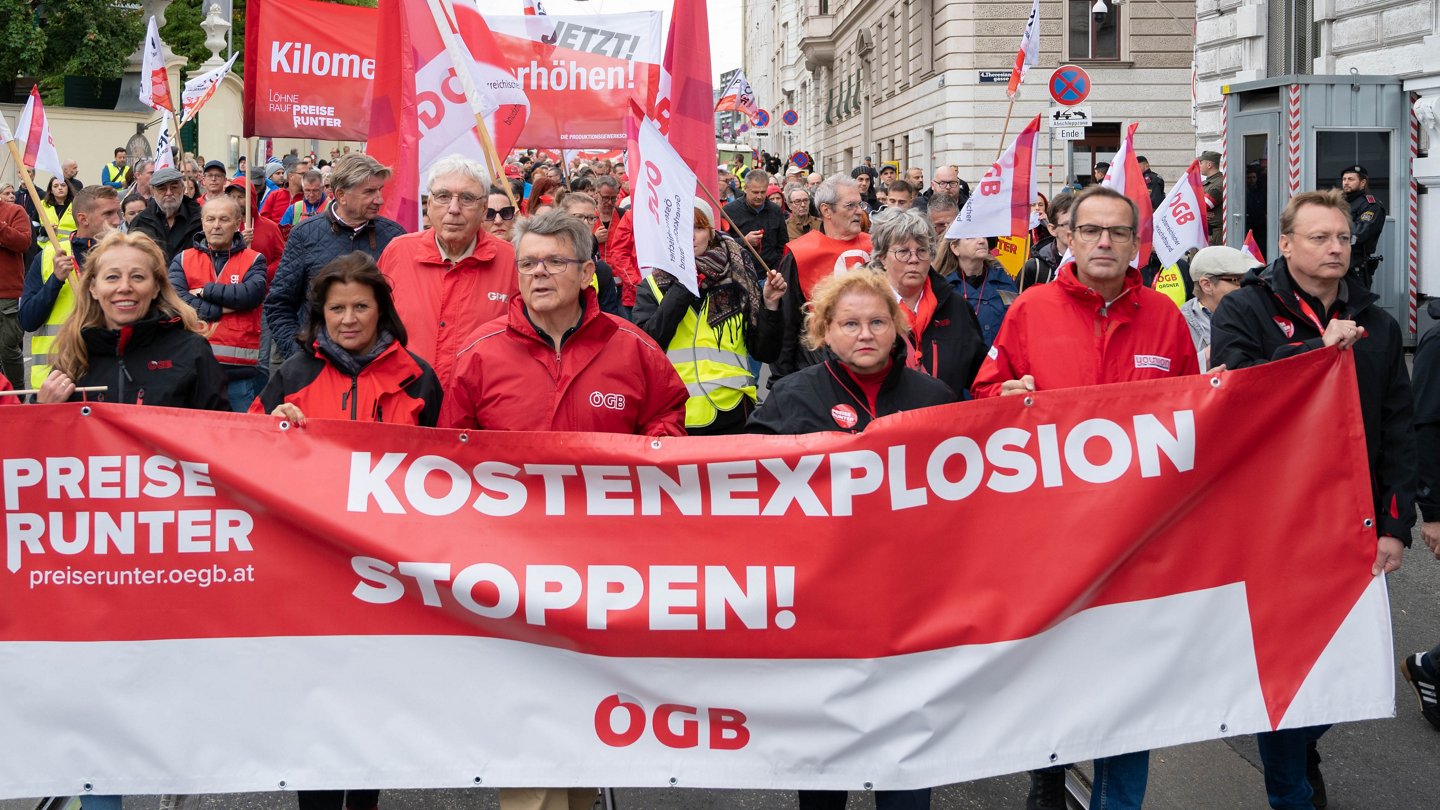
[[154, 78], [34, 129], [199, 89], [1000, 205], [740, 97], [663, 208], [422, 111], [684, 104], [406, 607], [1125, 177], [165, 142], [1252, 247], [1028, 55], [581, 72], [309, 68], [1179, 225]]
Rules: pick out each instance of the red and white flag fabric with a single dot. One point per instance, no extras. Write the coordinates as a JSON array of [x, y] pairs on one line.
[[165, 142], [684, 106], [1252, 247], [154, 77], [1028, 54], [34, 130], [739, 96], [534, 8], [439, 611], [663, 209], [1125, 176], [1001, 203], [5, 135], [1179, 225], [423, 110], [200, 89]]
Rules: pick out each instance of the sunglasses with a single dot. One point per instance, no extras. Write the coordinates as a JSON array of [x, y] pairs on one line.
[[507, 213]]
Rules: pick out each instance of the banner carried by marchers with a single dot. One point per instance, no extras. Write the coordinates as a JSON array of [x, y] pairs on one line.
[[356, 605], [581, 73], [309, 68]]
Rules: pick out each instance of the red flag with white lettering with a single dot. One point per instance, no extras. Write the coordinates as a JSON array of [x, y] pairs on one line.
[[684, 107], [1000, 205]]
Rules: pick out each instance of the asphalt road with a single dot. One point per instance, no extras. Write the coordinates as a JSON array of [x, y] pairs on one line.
[[1374, 765]]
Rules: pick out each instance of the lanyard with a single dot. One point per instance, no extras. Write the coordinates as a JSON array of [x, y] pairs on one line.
[[1309, 313], [861, 401], [980, 296]]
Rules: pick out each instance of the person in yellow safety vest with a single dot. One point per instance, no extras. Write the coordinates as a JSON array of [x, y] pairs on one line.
[[48, 296], [225, 282], [57, 204], [710, 338], [116, 174], [1175, 281]]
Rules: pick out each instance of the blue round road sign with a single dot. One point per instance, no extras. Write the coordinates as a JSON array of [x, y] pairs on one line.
[[1069, 85], [791, 118], [762, 120], [800, 159]]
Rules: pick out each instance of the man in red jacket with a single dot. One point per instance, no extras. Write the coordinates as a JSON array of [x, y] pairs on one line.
[[14, 241], [454, 277], [1097, 323], [555, 361], [615, 233]]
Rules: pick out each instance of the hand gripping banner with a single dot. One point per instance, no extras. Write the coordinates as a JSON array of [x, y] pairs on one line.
[[204, 602]]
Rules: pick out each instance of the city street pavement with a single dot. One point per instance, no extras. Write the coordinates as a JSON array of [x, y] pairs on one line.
[[1374, 765]]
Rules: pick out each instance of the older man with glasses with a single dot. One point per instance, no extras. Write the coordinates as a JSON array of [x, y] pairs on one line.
[[454, 277], [170, 218], [1216, 271], [616, 235]]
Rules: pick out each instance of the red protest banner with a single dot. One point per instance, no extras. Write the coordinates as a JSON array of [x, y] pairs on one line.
[[443, 608], [309, 67]]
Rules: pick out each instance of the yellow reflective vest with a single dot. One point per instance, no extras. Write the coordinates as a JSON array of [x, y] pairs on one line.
[[1170, 283], [713, 364], [38, 343]]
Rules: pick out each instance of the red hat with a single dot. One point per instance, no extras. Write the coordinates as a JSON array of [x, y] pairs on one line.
[[771, 190], [512, 171]]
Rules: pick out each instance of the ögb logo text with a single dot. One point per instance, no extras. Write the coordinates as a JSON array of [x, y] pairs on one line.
[[621, 721], [615, 402]]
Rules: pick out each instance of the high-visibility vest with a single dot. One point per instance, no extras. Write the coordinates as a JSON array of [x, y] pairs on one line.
[[38, 343], [64, 225], [236, 338], [1169, 282], [713, 364]]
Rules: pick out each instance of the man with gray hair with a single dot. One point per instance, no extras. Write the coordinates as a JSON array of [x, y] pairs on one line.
[[170, 218], [455, 276], [840, 245], [144, 170], [615, 233], [351, 222], [941, 212]]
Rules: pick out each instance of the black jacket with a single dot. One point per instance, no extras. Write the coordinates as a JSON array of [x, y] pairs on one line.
[[1427, 417], [171, 238], [155, 361], [951, 347], [793, 306], [818, 398], [310, 246], [1250, 327], [769, 219]]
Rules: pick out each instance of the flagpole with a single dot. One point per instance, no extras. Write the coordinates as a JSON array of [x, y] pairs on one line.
[[462, 72], [249, 193], [739, 235], [1005, 131], [40, 209]]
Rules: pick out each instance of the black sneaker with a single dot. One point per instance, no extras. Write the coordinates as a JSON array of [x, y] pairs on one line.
[[1317, 780], [1425, 687], [1047, 790]]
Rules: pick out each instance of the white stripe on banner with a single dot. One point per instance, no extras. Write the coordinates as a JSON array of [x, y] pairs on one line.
[[254, 714]]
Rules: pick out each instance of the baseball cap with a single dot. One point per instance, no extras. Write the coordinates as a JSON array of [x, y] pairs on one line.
[[793, 170], [213, 164], [1219, 260], [169, 174]]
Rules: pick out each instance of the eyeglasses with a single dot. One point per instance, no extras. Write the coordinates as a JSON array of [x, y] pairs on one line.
[[507, 213], [1323, 239], [554, 265], [1090, 234], [906, 254], [946, 183], [588, 219], [799, 201], [467, 200], [850, 206], [1236, 280], [609, 197], [877, 326]]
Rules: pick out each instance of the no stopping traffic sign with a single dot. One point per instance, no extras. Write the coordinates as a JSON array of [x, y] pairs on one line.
[[1069, 85]]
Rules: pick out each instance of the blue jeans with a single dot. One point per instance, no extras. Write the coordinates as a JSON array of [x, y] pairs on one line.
[[884, 799], [243, 392], [100, 802], [1120, 781], [1285, 756]]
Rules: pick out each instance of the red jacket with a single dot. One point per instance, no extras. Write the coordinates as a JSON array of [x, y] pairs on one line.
[[275, 204], [395, 388], [1055, 332], [14, 241], [609, 377], [442, 305], [619, 252], [268, 242]]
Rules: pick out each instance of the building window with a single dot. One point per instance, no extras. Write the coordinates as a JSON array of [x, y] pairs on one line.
[[1093, 36]]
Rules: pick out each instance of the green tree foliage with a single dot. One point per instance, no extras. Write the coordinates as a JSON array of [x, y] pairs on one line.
[[21, 46]]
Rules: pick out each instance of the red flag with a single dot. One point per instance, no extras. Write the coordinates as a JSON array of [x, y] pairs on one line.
[[685, 106], [1126, 177], [1252, 247]]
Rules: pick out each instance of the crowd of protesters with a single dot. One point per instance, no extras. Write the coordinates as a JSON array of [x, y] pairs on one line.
[[289, 294]]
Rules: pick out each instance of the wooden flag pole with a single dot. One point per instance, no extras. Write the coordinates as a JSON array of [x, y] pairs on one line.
[[34, 195], [1005, 131], [738, 234]]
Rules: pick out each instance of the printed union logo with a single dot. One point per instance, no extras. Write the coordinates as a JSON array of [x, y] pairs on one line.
[[615, 402], [844, 416], [1152, 361], [1285, 326]]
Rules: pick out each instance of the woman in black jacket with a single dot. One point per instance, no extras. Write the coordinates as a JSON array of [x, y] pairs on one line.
[[132, 334], [711, 339]]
